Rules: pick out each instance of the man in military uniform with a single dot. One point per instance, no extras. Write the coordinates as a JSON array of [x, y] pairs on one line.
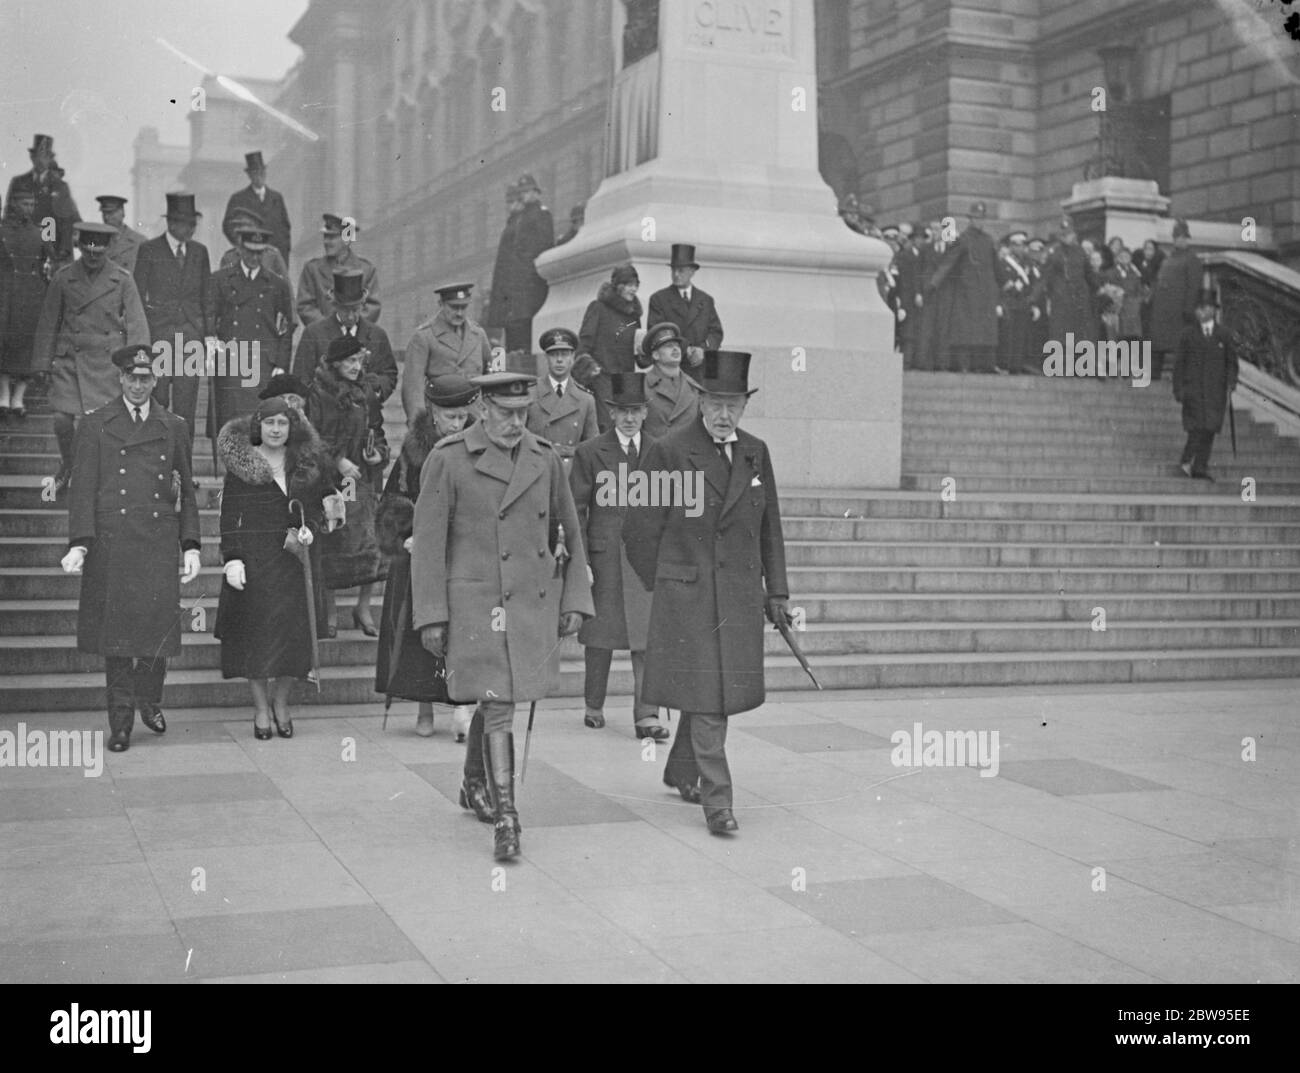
[[53, 198], [685, 305], [713, 572], [906, 270], [348, 297], [240, 217], [316, 284], [126, 243], [173, 275], [562, 412], [249, 305], [91, 309], [449, 342], [132, 511], [265, 202], [965, 290], [1017, 311], [672, 399], [490, 590]]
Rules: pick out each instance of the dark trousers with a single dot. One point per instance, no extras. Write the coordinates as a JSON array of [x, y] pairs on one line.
[[180, 394], [596, 682], [699, 752], [519, 334], [1197, 451], [1158, 363], [133, 683], [65, 434]]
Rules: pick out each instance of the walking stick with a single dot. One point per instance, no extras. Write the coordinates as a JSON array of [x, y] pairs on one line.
[[528, 738], [561, 558], [304, 555]]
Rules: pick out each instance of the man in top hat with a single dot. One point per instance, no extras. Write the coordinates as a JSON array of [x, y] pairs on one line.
[[53, 197], [126, 243], [132, 514], [715, 568], [1205, 376], [622, 602], [1066, 289], [267, 203], [240, 217], [519, 292], [249, 307], [23, 256], [1017, 283], [489, 591], [497, 312], [562, 412], [685, 305], [965, 290], [672, 399], [91, 308], [316, 284], [348, 298], [448, 342], [173, 275], [1173, 301]]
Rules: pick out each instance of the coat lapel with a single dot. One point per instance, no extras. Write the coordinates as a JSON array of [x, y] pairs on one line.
[[529, 466], [706, 458], [490, 458], [104, 283], [741, 474]]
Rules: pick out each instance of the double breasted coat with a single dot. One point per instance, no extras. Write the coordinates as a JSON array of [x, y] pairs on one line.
[[1173, 301], [22, 292], [247, 311], [966, 292], [175, 297], [622, 603], [1204, 377], [270, 209], [671, 403], [380, 372], [697, 321], [565, 421], [316, 287], [84, 319], [437, 347], [482, 562], [710, 574], [132, 504]]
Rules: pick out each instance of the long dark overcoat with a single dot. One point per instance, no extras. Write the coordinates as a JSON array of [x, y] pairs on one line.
[[670, 404], [132, 503], [22, 292], [966, 284], [698, 321], [258, 311], [1068, 285], [710, 575], [1204, 377], [622, 603], [1173, 300], [482, 562]]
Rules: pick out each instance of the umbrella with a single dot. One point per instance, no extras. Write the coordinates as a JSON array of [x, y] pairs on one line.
[[1232, 426], [784, 627], [314, 674]]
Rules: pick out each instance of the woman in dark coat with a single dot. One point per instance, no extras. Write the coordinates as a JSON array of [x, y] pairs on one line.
[[22, 293], [346, 413], [404, 668], [607, 337], [273, 461]]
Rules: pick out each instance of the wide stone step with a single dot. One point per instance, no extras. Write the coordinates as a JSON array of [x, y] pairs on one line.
[[836, 554], [1276, 470], [1227, 485], [1072, 581], [962, 530]]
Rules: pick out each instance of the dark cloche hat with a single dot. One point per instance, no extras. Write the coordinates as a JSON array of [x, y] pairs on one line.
[[558, 339], [343, 348], [725, 372], [449, 390], [284, 384]]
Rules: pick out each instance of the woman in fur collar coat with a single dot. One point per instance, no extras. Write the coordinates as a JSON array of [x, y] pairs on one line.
[[347, 415], [608, 336], [272, 458], [404, 668]]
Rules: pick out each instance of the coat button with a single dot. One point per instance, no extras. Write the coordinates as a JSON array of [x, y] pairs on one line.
[[122, 452], [156, 496], [505, 555], [506, 596], [160, 476], [123, 491], [155, 514], [541, 553], [123, 510], [502, 514], [541, 593], [121, 471]]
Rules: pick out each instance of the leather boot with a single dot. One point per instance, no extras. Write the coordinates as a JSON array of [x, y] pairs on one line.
[[499, 749], [121, 713], [473, 787]]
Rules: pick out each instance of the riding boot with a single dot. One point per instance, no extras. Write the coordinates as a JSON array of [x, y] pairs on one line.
[[473, 788], [499, 749]]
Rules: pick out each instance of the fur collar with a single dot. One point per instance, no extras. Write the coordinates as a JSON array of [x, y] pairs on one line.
[[420, 440], [245, 461], [345, 391], [608, 295]]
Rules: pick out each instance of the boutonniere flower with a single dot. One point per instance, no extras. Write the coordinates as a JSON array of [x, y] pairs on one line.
[[750, 459]]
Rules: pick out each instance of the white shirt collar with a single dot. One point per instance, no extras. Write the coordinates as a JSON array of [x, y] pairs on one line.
[[173, 242], [623, 441], [687, 293], [131, 408], [249, 273], [555, 384]]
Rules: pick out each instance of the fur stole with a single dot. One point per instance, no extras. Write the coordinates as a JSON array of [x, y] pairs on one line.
[[608, 296], [307, 469]]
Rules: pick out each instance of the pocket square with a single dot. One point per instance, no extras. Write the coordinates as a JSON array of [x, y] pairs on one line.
[[755, 483]]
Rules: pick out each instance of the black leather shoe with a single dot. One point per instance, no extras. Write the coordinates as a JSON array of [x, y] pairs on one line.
[[285, 729], [595, 720], [689, 793], [655, 730], [153, 719], [722, 822], [119, 741], [262, 733]]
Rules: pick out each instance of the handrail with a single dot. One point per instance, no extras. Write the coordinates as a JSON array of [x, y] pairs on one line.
[[1260, 307]]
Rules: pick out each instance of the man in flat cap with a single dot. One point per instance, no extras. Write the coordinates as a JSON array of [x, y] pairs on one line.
[[965, 290], [684, 304], [1173, 301], [265, 202], [447, 342], [492, 591], [131, 516], [173, 275], [91, 309], [672, 399], [53, 197], [562, 412], [348, 297], [126, 243], [715, 569], [316, 284]]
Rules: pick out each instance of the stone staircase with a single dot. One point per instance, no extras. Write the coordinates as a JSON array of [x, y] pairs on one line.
[[1064, 499]]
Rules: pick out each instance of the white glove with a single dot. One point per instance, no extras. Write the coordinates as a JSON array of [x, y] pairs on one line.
[[306, 537], [72, 561], [192, 563], [591, 578], [408, 543], [235, 576], [902, 315]]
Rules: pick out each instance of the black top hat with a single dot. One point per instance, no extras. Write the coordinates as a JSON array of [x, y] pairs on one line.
[[667, 332], [1181, 230], [626, 389], [449, 390], [348, 289], [683, 256], [284, 384], [1207, 297], [333, 225], [558, 339], [253, 161], [108, 202], [527, 182], [725, 372], [93, 234], [342, 348], [181, 207], [42, 141], [133, 358], [454, 292]]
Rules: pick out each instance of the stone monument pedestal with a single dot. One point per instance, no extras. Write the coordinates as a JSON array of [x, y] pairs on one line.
[[732, 168]]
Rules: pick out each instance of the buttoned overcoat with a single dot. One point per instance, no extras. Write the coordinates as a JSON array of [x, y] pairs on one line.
[[436, 347]]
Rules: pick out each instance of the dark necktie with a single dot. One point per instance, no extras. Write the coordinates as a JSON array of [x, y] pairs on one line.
[[559, 390], [686, 296], [180, 255], [631, 452], [722, 450], [139, 417]]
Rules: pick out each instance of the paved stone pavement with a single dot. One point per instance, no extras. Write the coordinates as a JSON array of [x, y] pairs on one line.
[[207, 855]]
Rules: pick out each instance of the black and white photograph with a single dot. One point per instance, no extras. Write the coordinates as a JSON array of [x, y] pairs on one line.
[[651, 491]]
